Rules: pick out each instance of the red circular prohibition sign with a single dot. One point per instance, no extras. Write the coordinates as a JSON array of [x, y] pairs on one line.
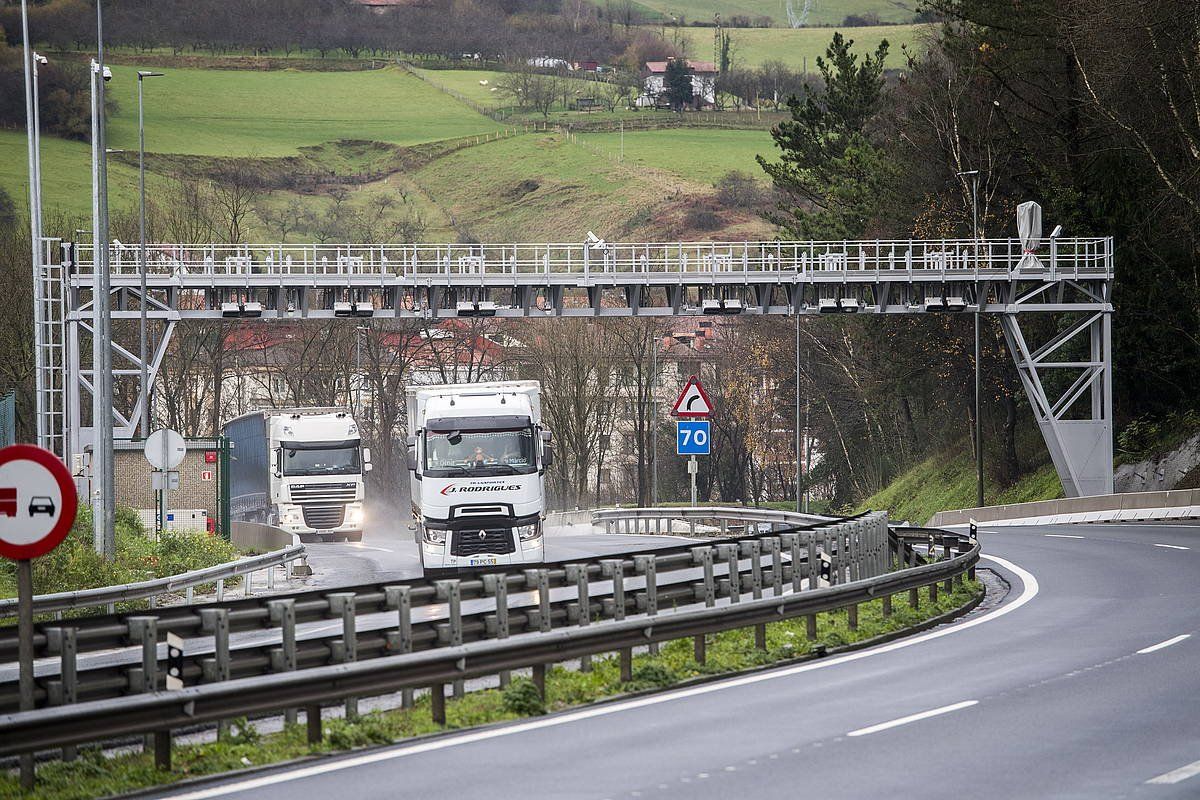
[[69, 501]]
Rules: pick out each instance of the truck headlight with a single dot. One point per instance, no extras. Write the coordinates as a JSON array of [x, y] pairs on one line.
[[355, 514], [431, 536], [527, 533]]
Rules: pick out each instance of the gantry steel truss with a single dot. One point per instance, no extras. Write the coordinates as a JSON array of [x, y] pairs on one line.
[[1064, 359]]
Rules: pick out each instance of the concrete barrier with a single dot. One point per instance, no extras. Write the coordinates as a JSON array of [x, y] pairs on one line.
[[261, 538], [557, 519], [1131, 506]]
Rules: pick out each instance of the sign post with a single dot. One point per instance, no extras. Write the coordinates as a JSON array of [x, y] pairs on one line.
[[692, 435], [37, 509], [164, 450]]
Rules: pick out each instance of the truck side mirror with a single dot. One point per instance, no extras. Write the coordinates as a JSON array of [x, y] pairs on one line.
[[275, 462], [367, 455], [368, 466], [547, 457]]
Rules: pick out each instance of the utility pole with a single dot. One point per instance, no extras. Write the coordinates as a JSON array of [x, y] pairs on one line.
[[973, 174]]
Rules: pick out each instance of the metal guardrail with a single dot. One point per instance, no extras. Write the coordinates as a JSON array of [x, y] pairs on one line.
[[487, 606], [111, 595], [160, 712], [650, 520]]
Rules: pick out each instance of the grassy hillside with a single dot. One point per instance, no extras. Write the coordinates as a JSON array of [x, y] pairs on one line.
[[244, 113], [821, 12], [697, 154], [800, 46], [945, 481]]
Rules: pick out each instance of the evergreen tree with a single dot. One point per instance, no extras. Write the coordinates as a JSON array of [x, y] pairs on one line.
[[832, 177], [677, 84]]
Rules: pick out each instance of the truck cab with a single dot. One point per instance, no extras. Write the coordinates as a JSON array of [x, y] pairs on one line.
[[477, 460]]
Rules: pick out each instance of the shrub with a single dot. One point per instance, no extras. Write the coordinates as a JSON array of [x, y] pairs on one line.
[[737, 189], [344, 734], [702, 219], [651, 676], [523, 698]]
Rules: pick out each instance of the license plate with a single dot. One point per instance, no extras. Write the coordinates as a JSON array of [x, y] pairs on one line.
[[483, 562], [324, 533]]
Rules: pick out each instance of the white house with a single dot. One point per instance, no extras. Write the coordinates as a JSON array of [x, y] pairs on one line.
[[704, 83]]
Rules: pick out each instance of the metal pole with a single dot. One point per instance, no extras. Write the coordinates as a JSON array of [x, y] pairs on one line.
[[35, 224], [654, 423], [693, 469], [25, 654], [799, 455], [102, 440], [145, 369], [978, 302]]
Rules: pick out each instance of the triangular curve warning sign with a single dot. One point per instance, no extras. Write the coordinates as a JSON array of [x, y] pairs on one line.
[[692, 402]]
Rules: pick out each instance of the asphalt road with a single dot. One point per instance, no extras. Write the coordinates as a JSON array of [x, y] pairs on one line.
[[1077, 685]]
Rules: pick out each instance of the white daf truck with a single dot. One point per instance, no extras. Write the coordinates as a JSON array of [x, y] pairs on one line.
[[300, 469], [477, 458]]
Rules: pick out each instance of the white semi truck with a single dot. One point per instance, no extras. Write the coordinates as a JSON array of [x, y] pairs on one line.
[[477, 458], [300, 469]]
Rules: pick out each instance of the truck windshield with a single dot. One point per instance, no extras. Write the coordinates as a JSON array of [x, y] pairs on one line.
[[320, 460], [499, 452]]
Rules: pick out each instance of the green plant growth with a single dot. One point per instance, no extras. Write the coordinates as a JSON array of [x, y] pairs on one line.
[[95, 775], [947, 480], [75, 564]]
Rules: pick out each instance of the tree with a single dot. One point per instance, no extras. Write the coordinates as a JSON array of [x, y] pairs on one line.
[[677, 84], [833, 179]]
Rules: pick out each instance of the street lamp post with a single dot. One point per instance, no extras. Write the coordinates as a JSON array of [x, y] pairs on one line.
[[31, 60], [973, 174], [141, 76], [799, 443]]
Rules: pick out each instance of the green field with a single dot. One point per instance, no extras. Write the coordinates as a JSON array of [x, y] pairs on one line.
[[245, 113], [481, 86], [821, 12], [698, 154], [66, 175], [800, 47]]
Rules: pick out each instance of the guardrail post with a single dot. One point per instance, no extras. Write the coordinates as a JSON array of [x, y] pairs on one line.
[[704, 557], [615, 568], [775, 546], [144, 631], [914, 598], [791, 541], [754, 549], [645, 565], [933, 592], [852, 616], [312, 720], [813, 569], [216, 622], [577, 574], [220, 589], [345, 650], [63, 641], [451, 592], [887, 606], [283, 614], [399, 598], [729, 554]]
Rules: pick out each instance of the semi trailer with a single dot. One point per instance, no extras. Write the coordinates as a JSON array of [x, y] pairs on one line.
[[300, 469], [477, 459]]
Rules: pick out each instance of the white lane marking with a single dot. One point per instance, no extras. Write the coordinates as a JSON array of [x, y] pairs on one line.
[[895, 723], [1029, 591], [1062, 536], [1167, 643], [1173, 546], [1177, 775]]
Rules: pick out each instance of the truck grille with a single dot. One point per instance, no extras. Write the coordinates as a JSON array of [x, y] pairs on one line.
[[323, 517], [493, 541], [322, 493]]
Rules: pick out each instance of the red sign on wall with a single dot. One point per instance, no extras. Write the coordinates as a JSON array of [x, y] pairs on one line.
[[210, 456]]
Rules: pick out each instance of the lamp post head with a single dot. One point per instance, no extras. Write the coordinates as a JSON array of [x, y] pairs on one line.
[[38, 58], [145, 73]]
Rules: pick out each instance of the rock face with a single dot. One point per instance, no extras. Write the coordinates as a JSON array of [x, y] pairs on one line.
[[1159, 473]]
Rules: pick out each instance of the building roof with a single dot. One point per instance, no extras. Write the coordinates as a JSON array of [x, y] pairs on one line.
[[694, 66]]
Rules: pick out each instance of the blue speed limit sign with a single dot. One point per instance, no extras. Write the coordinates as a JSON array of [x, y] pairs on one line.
[[691, 438]]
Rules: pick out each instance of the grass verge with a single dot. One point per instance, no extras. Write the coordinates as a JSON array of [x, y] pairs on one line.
[[95, 775]]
